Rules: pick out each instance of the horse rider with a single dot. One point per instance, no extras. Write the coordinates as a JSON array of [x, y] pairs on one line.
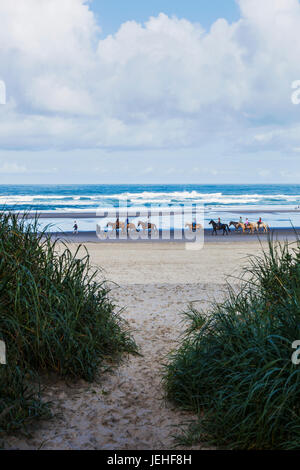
[[259, 222]]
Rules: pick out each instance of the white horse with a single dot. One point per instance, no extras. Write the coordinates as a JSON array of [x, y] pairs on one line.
[[263, 225]]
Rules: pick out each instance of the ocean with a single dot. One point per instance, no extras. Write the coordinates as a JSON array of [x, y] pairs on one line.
[[269, 201]]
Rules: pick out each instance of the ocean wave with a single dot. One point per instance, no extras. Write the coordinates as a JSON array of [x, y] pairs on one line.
[[145, 197]]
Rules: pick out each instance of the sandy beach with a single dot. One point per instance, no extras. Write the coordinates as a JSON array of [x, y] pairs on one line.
[[153, 284]]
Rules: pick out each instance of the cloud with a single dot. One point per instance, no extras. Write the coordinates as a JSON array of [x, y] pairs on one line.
[[12, 168], [9, 168], [147, 171], [167, 83]]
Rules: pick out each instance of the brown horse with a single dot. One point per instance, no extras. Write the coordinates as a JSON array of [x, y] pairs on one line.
[[147, 226], [131, 227], [194, 226], [237, 225], [250, 226], [113, 225]]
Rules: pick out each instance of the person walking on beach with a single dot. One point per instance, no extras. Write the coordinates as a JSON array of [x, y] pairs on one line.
[[75, 228]]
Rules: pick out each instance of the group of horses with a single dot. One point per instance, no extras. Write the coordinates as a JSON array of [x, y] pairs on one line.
[[250, 227], [131, 227]]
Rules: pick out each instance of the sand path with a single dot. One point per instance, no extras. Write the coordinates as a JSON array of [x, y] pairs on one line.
[[127, 410]]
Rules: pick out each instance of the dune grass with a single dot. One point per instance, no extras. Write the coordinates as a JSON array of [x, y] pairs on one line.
[[55, 316], [233, 366]]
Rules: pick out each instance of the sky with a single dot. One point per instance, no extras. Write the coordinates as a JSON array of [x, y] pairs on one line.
[[150, 92], [111, 14]]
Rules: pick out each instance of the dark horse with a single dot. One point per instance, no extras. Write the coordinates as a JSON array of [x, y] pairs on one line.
[[216, 227]]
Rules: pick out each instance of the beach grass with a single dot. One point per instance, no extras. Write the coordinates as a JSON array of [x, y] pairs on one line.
[[55, 316], [233, 366]]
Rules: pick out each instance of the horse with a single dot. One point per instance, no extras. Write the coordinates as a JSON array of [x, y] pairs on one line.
[[193, 226], [237, 225], [250, 226], [263, 225], [113, 225], [131, 227], [147, 226], [217, 226]]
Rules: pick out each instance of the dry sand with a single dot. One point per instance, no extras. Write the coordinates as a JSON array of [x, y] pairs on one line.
[[126, 410]]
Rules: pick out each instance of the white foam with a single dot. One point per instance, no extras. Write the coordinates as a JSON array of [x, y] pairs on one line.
[[146, 197]]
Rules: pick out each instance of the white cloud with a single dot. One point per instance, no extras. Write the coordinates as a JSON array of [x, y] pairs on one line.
[[12, 168], [147, 171], [165, 84]]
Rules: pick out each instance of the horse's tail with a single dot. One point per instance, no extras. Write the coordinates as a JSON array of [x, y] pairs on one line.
[[228, 228]]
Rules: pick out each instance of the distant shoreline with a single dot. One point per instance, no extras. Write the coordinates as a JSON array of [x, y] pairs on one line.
[[91, 237]]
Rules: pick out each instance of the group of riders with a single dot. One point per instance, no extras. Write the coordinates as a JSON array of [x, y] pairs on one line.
[[245, 226], [193, 226], [129, 226], [117, 226], [246, 223], [259, 222]]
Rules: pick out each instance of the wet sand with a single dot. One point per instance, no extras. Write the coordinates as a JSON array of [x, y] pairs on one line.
[[179, 236]]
